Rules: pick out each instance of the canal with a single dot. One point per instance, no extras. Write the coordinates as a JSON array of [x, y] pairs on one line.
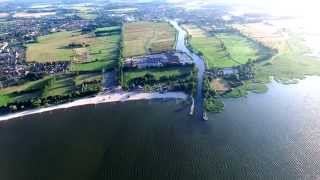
[[199, 62]]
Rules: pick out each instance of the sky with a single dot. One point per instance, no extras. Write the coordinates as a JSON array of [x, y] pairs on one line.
[[277, 7], [304, 8]]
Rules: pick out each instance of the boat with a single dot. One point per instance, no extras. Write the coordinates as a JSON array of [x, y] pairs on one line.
[[205, 116]]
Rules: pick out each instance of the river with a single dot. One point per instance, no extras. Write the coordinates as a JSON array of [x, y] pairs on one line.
[[263, 136], [181, 46]]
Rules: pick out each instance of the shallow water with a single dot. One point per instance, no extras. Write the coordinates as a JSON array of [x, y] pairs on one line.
[[268, 136]]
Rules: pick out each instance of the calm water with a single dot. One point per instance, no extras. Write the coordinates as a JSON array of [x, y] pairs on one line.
[[270, 136]]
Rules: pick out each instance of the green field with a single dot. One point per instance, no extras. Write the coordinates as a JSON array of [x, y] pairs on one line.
[[87, 52], [52, 47], [89, 77], [23, 92], [108, 29], [224, 49], [290, 64], [59, 86], [105, 54], [50, 86], [102, 52], [147, 37], [85, 11]]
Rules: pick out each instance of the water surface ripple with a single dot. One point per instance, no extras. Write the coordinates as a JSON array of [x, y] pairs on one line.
[[269, 136]]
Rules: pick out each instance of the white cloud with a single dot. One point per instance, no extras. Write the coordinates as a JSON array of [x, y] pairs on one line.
[[278, 7]]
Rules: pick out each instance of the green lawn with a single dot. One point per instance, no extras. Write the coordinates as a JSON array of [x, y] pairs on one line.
[[35, 89], [61, 85], [224, 50], [91, 67], [87, 78], [239, 47], [4, 99], [212, 53], [23, 92]]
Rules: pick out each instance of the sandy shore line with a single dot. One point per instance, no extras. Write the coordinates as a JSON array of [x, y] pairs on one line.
[[119, 96]]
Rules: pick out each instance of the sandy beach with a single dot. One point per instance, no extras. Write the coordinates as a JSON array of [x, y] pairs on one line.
[[119, 96]]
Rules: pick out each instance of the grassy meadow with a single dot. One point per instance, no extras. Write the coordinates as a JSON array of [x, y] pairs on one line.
[[103, 54], [147, 37], [221, 50], [288, 66], [91, 53], [291, 62], [85, 11], [60, 85], [52, 47], [22, 92]]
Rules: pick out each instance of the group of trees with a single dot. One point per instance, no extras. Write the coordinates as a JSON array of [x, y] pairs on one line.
[[46, 99], [184, 82], [211, 101]]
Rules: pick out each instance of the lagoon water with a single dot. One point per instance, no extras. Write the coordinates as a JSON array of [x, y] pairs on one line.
[[264, 136]]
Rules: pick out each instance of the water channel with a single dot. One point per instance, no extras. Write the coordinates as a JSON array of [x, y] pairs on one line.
[[199, 62]]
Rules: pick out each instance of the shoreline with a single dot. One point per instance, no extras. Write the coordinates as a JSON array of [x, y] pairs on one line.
[[119, 96]]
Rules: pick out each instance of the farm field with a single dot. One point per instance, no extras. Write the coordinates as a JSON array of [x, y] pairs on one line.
[[87, 52], [84, 10], [147, 37], [267, 34], [223, 49]]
